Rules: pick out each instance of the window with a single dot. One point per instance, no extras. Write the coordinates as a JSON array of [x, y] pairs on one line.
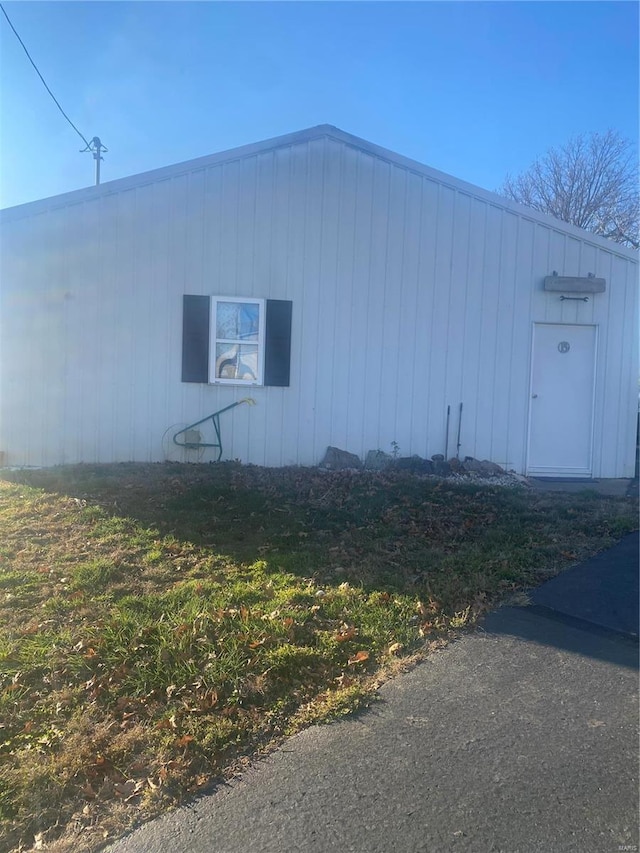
[[236, 341]]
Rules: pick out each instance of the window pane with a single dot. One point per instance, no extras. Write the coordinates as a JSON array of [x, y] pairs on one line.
[[237, 321], [237, 361]]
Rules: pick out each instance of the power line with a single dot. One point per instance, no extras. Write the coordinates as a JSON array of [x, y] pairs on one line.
[[43, 80]]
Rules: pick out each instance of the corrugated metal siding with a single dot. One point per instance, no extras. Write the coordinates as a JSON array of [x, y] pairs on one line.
[[408, 295]]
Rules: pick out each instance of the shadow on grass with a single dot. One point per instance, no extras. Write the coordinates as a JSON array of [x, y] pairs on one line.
[[293, 514], [457, 545]]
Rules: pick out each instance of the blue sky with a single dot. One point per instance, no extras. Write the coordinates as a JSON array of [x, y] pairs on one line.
[[471, 88]]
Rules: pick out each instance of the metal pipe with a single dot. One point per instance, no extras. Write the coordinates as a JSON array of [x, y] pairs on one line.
[[459, 428], [446, 441], [215, 420]]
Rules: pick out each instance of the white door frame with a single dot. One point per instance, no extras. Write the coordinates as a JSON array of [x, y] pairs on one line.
[[567, 472]]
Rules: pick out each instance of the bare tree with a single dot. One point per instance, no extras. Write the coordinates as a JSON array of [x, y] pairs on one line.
[[592, 182]]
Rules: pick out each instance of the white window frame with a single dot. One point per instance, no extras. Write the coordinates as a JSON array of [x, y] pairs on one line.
[[214, 340]]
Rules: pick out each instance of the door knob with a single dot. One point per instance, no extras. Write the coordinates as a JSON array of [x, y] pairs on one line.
[[534, 396]]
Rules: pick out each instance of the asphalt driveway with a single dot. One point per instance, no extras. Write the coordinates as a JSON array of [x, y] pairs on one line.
[[517, 738]]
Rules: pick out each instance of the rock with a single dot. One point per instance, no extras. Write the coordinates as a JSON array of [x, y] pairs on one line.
[[519, 478], [441, 468], [492, 469], [338, 460], [485, 468], [415, 464], [456, 465], [377, 460]]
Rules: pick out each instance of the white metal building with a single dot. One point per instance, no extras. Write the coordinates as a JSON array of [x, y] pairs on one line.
[[354, 294]]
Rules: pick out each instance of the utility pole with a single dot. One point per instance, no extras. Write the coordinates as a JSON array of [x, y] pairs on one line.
[[96, 148]]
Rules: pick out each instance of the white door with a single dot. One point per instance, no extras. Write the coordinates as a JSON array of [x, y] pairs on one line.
[[561, 405]]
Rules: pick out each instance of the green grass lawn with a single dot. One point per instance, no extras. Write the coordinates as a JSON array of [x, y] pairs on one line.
[[158, 623]]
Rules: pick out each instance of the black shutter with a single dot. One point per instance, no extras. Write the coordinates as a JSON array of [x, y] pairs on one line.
[[277, 349], [195, 338]]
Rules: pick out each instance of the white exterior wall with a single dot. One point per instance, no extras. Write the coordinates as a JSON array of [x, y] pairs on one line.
[[411, 291]]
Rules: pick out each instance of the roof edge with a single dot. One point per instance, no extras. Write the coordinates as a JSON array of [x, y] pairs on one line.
[[165, 172], [479, 192], [296, 138]]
